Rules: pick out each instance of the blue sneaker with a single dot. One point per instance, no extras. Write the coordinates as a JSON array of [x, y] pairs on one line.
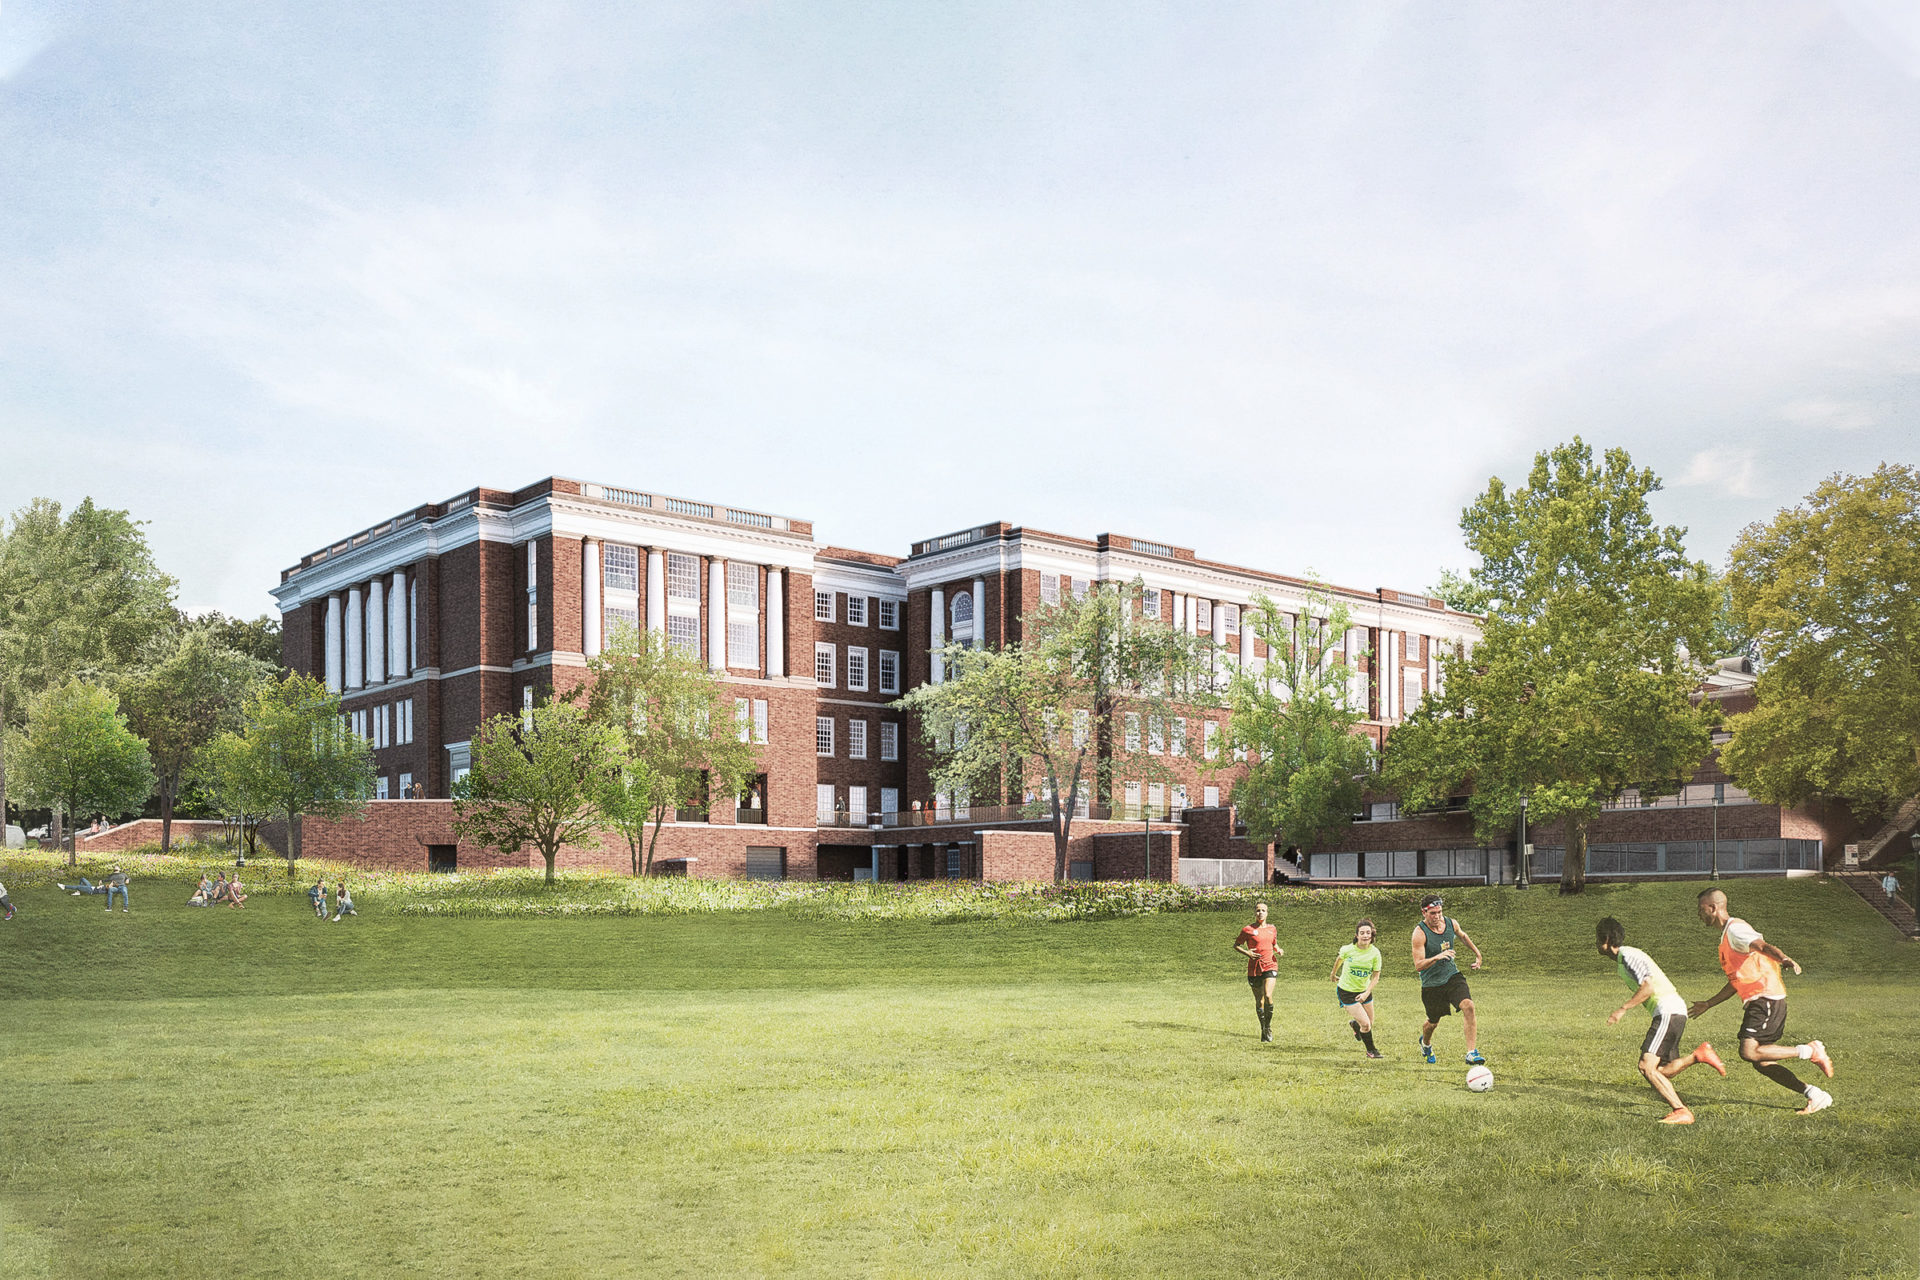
[[1426, 1050], [1474, 1059]]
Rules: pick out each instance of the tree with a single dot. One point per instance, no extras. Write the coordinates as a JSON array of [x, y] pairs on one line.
[[1306, 769], [79, 597], [625, 800], [677, 725], [1087, 674], [1460, 592], [224, 771], [258, 639], [1830, 591], [1580, 685], [78, 756], [295, 756], [195, 689], [536, 779]]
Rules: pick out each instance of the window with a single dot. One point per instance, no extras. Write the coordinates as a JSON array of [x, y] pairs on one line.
[[380, 787], [856, 611], [1413, 693], [856, 669], [683, 634], [889, 741], [1203, 615], [962, 610], [1150, 603], [1082, 728], [743, 615], [823, 663], [889, 800], [1133, 731], [857, 805], [856, 739], [823, 735], [620, 567], [823, 606], [889, 615], [889, 671], [1210, 739], [382, 726], [1049, 588], [1157, 799], [683, 577], [1233, 618], [403, 725], [743, 718], [526, 709], [1179, 799], [1156, 736], [1132, 794], [613, 617], [1211, 797], [1411, 645], [406, 786], [1080, 586], [533, 596], [956, 866], [357, 723], [823, 802], [1179, 735], [760, 721], [766, 864]]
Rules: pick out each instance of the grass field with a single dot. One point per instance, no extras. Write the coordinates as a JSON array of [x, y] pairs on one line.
[[254, 1093]]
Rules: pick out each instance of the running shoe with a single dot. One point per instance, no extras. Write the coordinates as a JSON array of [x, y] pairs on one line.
[[1820, 1059], [1474, 1059], [1679, 1115], [1426, 1050], [1706, 1054], [1818, 1099], [1375, 1053]]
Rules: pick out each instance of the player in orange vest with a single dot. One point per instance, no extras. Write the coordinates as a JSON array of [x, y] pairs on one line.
[[1752, 965]]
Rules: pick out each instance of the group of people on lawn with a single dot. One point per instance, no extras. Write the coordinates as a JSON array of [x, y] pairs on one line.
[[208, 893], [342, 900]]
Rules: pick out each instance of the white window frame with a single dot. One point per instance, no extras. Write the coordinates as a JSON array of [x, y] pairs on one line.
[[406, 785], [1049, 588], [823, 736], [1178, 745], [1133, 730], [889, 740], [856, 669], [1150, 603], [533, 597], [822, 605], [380, 787], [856, 739], [823, 802], [1156, 735], [889, 801], [857, 805], [760, 721], [743, 718], [889, 615], [1082, 728], [889, 671], [1210, 740], [620, 567], [856, 610], [825, 657], [743, 615]]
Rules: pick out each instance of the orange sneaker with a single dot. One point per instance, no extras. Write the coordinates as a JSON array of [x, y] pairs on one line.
[[1820, 1059], [1704, 1053], [1679, 1115]]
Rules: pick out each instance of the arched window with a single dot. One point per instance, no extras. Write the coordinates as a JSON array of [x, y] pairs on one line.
[[961, 632]]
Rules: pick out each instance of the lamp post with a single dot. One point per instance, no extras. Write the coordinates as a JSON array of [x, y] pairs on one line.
[[1713, 868], [1146, 828], [1524, 880]]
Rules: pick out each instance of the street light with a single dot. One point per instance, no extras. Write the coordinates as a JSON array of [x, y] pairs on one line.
[[1524, 880], [1713, 868]]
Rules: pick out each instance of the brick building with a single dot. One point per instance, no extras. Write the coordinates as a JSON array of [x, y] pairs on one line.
[[455, 611]]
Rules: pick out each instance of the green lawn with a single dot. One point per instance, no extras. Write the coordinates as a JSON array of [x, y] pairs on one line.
[[254, 1093]]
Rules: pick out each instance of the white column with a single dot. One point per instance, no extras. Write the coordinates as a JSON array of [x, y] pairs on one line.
[[399, 658], [1246, 640], [356, 639], [938, 635], [1389, 672], [656, 589], [776, 623], [1219, 625], [413, 619], [1179, 611], [980, 613], [377, 632], [717, 614], [334, 651], [590, 613]]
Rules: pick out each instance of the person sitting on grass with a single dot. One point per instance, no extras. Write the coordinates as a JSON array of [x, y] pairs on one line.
[[202, 894], [85, 886], [343, 903], [235, 898], [220, 888], [117, 883], [317, 898]]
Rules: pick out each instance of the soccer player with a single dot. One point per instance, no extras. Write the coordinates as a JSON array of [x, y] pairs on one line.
[[1660, 1059], [1442, 986], [1752, 965], [1353, 976], [1258, 942]]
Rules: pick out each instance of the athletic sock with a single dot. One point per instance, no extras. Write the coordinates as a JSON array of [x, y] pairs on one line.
[[1805, 1051], [1780, 1076], [1366, 1038]]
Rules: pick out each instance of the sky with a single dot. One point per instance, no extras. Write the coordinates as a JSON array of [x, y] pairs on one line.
[[1283, 283]]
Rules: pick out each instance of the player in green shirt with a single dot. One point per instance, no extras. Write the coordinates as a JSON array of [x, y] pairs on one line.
[[1354, 975]]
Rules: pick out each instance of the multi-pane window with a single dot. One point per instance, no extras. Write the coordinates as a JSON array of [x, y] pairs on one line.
[[406, 786], [1131, 792], [889, 671], [1082, 728], [1233, 618], [683, 603], [962, 610], [1150, 604], [380, 787], [823, 606], [856, 739], [823, 735], [1133, 731], [1179, 799], [1179, 735], [889, 740], [620, 567], [1210, 738], [1080, 586], [956, 868], [823, 801], [743, 718], [856, 611], [823, 661], [1412, 643], [1203, 616], [683, 634], [1156, 735], [1413, 694], [1049, 588], [889, 800], [760, 720], [613, 617], [856, 669], [743, 615], [357, 723], [683, 577], [533, 596], [857, 805], [1157, 799], [1210, 796], [890, 615]]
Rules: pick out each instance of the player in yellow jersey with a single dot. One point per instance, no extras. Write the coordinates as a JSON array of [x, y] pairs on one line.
[[1752, 966], [1354, 975]]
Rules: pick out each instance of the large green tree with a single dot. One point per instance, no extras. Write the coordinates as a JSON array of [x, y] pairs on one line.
[[80, 596], [259, 639], [1069, 706], [1306, 770], [78, 756], [678, 731], [1830, 592], [294, 756], [1581, 684], [536, 779], [195, 689]]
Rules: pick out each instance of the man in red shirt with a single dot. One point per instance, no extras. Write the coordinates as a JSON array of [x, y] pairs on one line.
[[1258, 942]]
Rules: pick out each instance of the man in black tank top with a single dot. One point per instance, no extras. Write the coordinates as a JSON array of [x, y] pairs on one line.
[[1443, 988]]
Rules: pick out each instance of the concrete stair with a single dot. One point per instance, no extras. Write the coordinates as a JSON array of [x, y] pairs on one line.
[[1898, 913]]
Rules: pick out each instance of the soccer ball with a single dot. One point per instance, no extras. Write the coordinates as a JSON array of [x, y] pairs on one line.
[[1480, 1079]]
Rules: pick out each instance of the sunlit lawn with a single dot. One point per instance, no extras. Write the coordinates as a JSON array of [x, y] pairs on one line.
[[259, 1094]]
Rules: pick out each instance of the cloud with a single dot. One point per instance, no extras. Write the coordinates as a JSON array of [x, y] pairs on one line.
[[1730, 470], [1835, 415]]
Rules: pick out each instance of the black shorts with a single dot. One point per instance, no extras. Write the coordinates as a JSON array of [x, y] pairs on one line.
[[1347, 997], [1257, 980], [1764, 1020], [1663, 1037], [1446, 997]]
